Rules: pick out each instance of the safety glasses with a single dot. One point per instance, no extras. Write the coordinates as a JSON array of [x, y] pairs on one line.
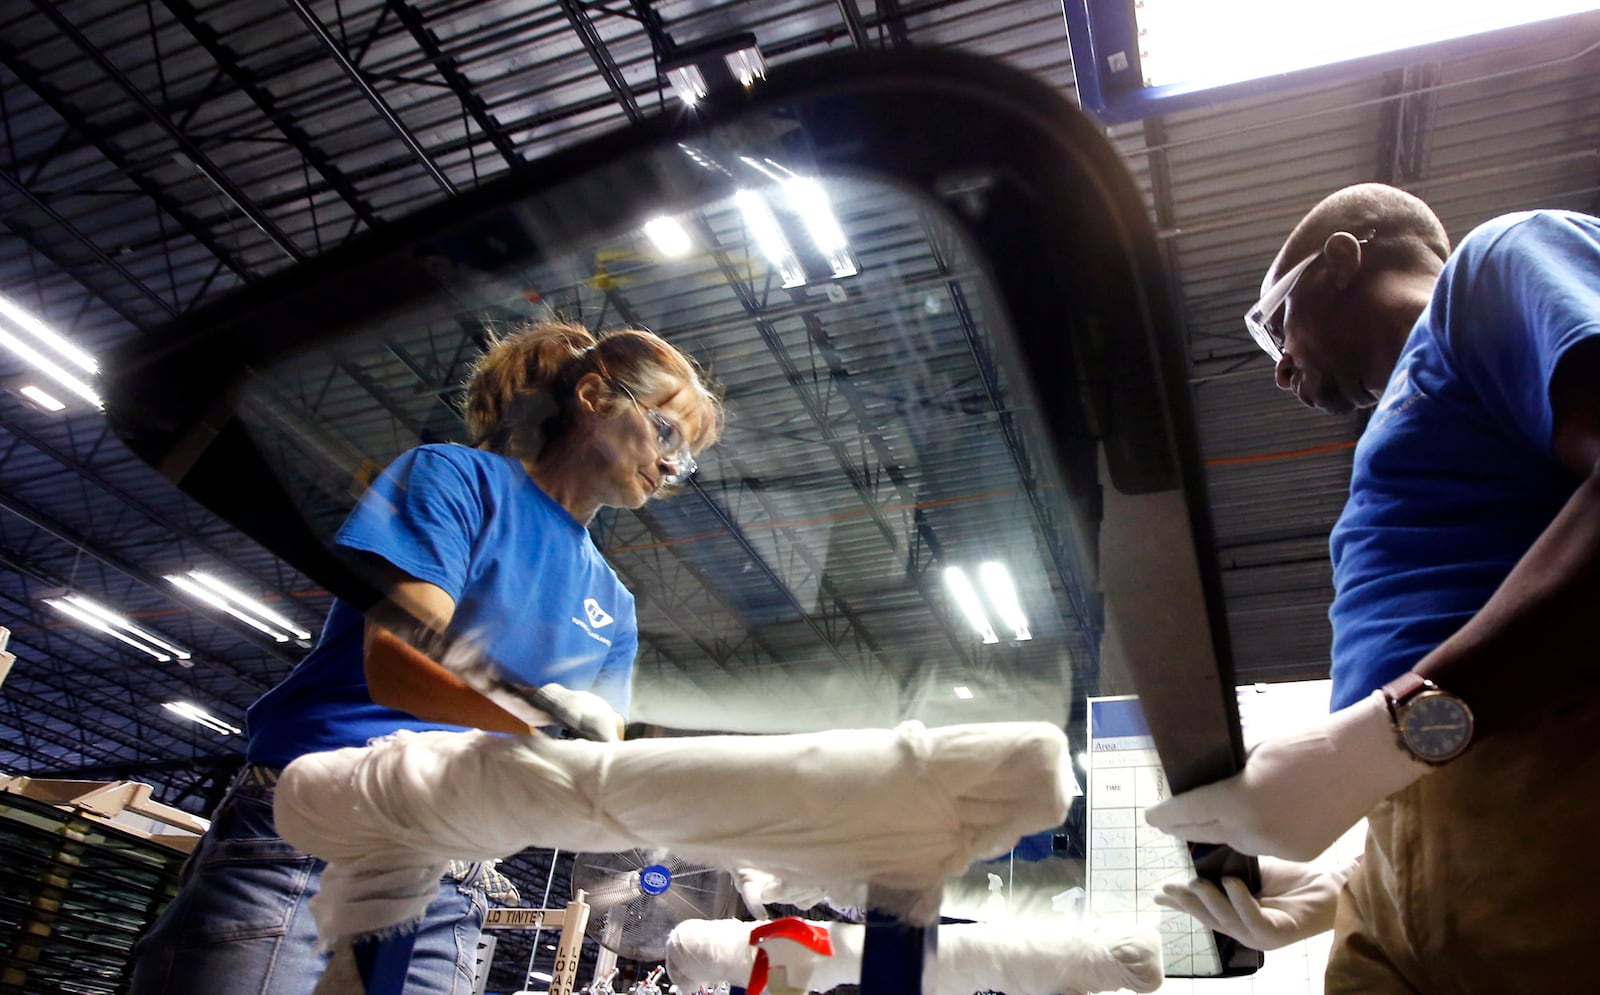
[[671, 443], [1259, 318]]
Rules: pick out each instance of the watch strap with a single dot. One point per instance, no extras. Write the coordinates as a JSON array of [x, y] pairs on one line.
[[1403, 688]]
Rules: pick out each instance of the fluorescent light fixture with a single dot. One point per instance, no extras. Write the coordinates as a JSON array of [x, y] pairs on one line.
[[44, 333], [808, 199], [668, 236], [97, 616], [1002, 594], [40, 398], [966, 597], [767, 168], [195, 713], [769, 236], [688, 82], [203, 587], [248, 603], [746, 65], [48, 367], [963, 692], [1225, 41], [539, 976]]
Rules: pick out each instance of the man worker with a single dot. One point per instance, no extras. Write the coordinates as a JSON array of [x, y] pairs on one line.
[[1466, 691]]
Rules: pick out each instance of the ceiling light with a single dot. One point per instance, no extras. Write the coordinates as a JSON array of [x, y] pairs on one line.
[[47, 366], [1002, 594], [967, 600], [769, 237], [963, 692], [688, 82], [714, 65], [1225, 41], [248, 603], [97, 616], [746, 65], [767, 168], [810, 201], [668, 236], [41, 398], [195, 713], [44, 333], [203, 587], [539, 976]]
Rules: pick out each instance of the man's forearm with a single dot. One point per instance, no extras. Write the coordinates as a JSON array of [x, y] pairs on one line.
[[1532, 646]]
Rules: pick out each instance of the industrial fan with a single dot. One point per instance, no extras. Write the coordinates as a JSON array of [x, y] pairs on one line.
[[637, 896]]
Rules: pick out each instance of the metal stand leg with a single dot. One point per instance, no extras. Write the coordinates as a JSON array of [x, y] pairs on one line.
[[896, 958]]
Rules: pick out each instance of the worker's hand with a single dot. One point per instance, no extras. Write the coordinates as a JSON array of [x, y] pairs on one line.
[[587, 714], [759, 889], [1296, 902], [1297, 794]]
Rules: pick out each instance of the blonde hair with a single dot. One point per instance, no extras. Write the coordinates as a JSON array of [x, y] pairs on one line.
[[525, 382]]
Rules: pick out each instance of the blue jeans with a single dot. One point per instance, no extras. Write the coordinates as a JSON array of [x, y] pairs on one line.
[[240, 923]]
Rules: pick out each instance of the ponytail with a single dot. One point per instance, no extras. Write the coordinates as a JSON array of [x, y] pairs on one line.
[[525, 381]]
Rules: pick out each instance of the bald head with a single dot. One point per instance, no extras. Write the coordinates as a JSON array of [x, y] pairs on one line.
[[1405, 233]]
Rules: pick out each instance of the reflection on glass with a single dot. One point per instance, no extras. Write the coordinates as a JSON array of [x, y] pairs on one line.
[[882, 532]]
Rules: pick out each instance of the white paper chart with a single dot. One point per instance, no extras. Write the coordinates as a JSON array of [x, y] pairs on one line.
[[1128, 861]]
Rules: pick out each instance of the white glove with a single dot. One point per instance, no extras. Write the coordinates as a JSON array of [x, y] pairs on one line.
[[759, 889], [1297, 901], [1297, 794], [587, 713]]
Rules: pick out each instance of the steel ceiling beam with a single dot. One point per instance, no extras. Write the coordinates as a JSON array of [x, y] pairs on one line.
[[62, 719], [197, 156], [676, 606], [97, 138], [456, 80], [179, 533], [1068, 572], [139, 575], [1406, 123], [58, 683], [250, 84], [796, 380], [633, 318], [891, 17], [89, 281], [743, 541], [374, 98], [101, 256], [852, 23], [596, 47]]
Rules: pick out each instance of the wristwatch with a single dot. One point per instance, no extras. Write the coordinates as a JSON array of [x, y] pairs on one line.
[[1432, 725]]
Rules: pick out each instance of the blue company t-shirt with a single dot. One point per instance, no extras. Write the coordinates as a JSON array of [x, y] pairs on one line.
[[526, 578], [1455, 476]]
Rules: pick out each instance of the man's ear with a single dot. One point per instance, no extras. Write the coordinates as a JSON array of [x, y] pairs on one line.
[[1342, 252]]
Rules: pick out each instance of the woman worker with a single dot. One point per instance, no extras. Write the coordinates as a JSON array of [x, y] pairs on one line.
[[487, 542]]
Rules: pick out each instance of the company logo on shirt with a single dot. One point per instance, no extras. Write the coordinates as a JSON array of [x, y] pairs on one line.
[[597, 615], [1399, 387]]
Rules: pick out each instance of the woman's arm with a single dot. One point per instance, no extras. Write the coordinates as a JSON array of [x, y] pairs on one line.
[[403, 677]]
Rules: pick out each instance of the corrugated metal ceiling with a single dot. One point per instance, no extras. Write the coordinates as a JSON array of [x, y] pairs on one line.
[[160, 153]]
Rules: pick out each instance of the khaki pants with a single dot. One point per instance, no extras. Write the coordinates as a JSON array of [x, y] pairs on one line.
[[1482, 877]]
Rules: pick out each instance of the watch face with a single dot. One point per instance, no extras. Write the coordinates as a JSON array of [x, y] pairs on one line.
[[1436, 726]]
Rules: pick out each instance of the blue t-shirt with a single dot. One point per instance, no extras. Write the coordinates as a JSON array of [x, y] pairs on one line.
[[1455, 476], [528, 583]]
